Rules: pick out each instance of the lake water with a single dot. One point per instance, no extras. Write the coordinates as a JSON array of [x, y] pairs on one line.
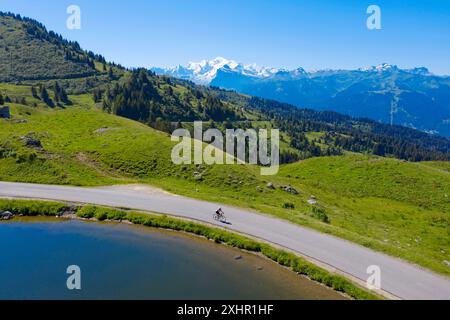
[[119, 261]]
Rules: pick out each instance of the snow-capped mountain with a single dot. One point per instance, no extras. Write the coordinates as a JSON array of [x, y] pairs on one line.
[[384, 67], [205, 71], [385, 92]]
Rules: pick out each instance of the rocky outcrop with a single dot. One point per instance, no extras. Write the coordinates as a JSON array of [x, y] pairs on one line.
[[290, 189], [31, 141]]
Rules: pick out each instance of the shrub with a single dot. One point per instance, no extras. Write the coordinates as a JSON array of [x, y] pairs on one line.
[[288, 205], [319, 213], [116, 215], [86, 212], [32, 208], [101, 213]]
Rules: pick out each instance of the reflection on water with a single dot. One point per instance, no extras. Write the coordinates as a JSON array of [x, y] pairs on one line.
[[118, 261]]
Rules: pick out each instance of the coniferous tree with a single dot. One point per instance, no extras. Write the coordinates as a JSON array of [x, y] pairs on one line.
[[111, 73], [63, 96], [34, 92], [379, 150], [56, 91], [45, 96], [60, 94], [97, 95]]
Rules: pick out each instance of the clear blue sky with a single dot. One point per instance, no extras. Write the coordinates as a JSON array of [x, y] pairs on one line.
[[279, 33]]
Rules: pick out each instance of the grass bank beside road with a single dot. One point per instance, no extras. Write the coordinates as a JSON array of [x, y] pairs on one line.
[[284, 258]]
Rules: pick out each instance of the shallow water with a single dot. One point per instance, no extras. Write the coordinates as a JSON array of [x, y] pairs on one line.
[[118, 261]]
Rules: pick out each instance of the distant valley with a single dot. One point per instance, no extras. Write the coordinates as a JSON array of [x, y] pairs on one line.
[[414, 98]]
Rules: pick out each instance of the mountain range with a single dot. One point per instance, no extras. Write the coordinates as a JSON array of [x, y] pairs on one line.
[[386, 93], [45, 69]]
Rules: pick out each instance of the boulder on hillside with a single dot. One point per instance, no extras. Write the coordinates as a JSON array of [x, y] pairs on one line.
[[290, 189], [312, 200], [31, 141], [198, 176]]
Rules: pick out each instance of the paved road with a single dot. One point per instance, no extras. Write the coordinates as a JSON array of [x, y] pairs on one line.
[[399, 278]]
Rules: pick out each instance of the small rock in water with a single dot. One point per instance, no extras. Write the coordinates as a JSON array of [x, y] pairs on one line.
[[6, 215], [259, 268], [238, 257]]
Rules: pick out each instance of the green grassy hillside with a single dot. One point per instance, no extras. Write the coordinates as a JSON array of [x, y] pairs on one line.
[[367, 176], [28, 51], [405, 206], [440, 165], [393, 206]]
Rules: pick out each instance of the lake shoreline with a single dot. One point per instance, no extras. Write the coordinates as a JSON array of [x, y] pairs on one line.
[[58, 211]]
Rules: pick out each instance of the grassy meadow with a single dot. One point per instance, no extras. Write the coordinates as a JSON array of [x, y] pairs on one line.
[[393, 206]]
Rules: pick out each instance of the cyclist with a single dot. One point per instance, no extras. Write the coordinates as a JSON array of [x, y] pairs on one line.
[[219, 214]]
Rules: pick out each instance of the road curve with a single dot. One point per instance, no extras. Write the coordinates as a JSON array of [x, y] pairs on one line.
[[399, 278]]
